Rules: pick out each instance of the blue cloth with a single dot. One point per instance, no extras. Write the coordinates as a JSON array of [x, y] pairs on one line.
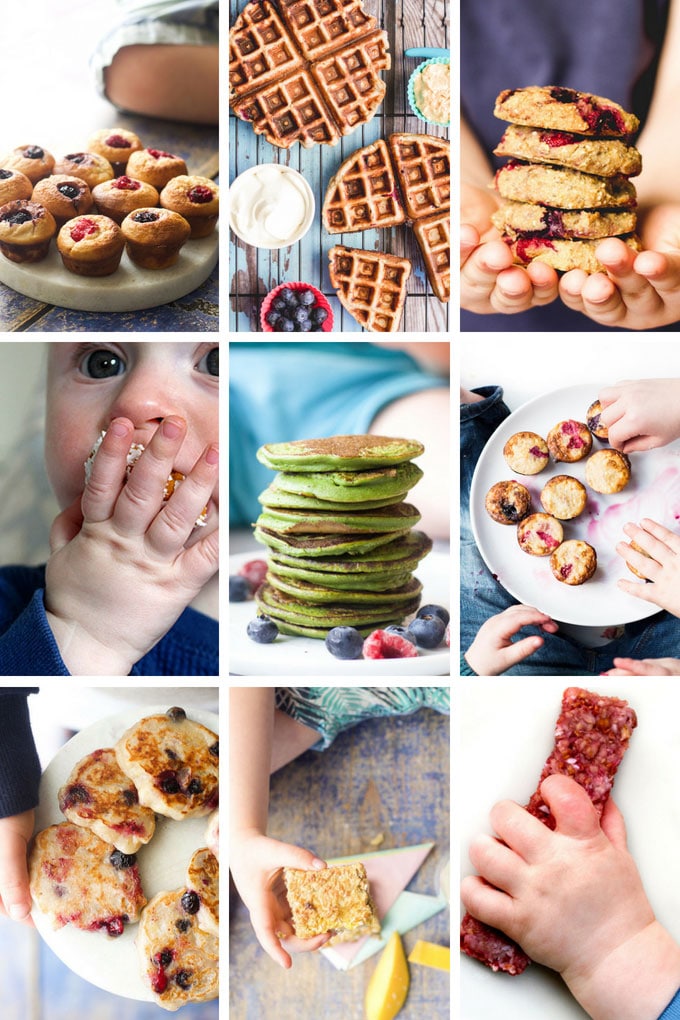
[[19, 764], [546, 42], [28, 648], [279, 392], [672, 1010], [481, 596]]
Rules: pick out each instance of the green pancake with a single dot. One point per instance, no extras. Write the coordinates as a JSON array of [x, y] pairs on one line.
[[350, 486], [404, 553], [285, 607], [338, 453], [322, 545], [316, 594], [273, 497], [347, 522], [365, 581], [297, 630]]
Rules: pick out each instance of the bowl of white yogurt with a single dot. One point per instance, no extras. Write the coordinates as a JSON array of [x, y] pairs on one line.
[[270, 206]]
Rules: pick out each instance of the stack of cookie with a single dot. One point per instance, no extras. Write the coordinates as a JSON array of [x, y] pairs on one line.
[[341, 539], [567, 184]]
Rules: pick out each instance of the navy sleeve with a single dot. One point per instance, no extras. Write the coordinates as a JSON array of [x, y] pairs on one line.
[[27, 647], [19, 764]]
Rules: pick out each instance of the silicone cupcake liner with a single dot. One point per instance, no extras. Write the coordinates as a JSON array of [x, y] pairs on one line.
[[320, 302], [411, 97]]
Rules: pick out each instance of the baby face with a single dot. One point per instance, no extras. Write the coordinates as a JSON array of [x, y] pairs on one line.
[[90, 384]]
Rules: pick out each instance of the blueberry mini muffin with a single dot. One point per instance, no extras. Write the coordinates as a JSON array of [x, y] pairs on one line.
[[155, 166], [569, 441], [594, 423], [14, 186], [91, 245], [539, 534], [88, 166], [564, 189], [26, 229], [64, 196], [608, 471], [116, 145], [154, 237], [563, 255], [522, 219], [564, 497], [574, 562], [196, 199], [526, 453], [604, 157], [565, 109], [121, 196], [507, 502], [31, 160]]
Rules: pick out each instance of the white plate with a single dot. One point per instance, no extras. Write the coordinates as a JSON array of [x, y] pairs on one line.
[[653, 491], [497, 765], [299, 656], [112, 963]]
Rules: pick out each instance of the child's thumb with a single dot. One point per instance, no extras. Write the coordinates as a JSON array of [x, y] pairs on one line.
[[297, 857], [571, 807], [14, 891], [66, 526]]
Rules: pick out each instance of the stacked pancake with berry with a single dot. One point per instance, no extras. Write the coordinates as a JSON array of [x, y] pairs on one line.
[[566, 185]]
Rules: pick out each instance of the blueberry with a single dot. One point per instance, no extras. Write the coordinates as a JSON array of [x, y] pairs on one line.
[[303, 327], [271, 318], [239, 589], [306, 297], [190, 902], [183, 979], [285, 294], [287, 326], [195, 787], [301, 315], [279, 305], [214, 749], [121, 860], [344, 643], [176, 714], [401, 631], [262, 630], [428, 631], [432, 610], [318, 316]]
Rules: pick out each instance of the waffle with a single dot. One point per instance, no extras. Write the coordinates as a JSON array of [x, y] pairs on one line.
[[433, 236], [363, 193], [371, 285], [423, 167], [306, 70]]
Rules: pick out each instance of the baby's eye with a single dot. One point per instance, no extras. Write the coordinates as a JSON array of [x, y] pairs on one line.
[[102, 364], [210, 362]]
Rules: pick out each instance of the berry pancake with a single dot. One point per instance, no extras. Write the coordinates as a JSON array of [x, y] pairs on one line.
[[173, 762], [99, 796], [212, 834], [203, 882], [76, 878]]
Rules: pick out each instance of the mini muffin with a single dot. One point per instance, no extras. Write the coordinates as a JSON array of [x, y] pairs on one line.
[[153, 237], [608, 471], [599, 430], [116, 145], [197, 199], [638, 549], [30, 160], [88, 166], [564, 497], [507, 502], [526, 453], [569, 441], [574, 562], [14, 186], [26, 229], [539, 534], [122, 196], [155, 167], [64, 196], [91, 245]]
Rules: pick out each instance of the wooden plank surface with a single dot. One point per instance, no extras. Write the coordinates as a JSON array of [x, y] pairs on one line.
[[254, 272], [386, 776]]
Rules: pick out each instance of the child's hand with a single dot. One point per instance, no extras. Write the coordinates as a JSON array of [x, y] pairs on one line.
[[123, 569], [641, 414], [661, 566], [644, 667], [493, 650], [15, 897], [256, 863], [574, 901]]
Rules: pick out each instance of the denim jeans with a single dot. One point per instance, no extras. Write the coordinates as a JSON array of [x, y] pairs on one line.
[[481, 596]]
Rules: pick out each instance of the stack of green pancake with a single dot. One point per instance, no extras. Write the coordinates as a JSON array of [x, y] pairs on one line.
[[341, 546]]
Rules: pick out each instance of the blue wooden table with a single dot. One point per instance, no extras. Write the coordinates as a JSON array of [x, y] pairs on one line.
[[254, 272]]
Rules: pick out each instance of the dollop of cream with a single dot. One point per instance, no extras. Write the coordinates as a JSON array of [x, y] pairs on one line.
[[269, 207]]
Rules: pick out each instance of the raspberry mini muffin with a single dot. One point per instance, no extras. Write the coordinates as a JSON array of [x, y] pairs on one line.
[[154, 237], [91, 245], [26, 229], [88, 166], [14, 186], [539, 534], [569, 441], [574, 562], [599, 430], [608, 471], [638, 549], [31, 160], [64, 196], [121, 196], [526, 453], [116, 145], [564, 497], [507, 502], [155, 166], [194, 198]]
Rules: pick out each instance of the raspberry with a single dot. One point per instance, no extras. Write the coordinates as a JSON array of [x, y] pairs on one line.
[[117, 142], [82, 228], [199, 194], [381, 645], [157, 154], [126, 184], [254, 572]]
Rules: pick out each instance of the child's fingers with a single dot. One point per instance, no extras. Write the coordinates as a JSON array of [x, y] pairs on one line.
[[518, 829], [140, 499], [173, 525], [487, 904], [571, 807], [645, 565], [14, 892], [613, 825], [640, 589], [495, 862], [107, 472], [66, 525], [520, 650], [667, 539]]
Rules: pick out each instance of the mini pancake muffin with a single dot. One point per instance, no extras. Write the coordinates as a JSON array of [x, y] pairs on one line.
[[539, 534], [569, 441], [593, 421], [574, 562], [507, 502], [634, 570], [564, 497], [608, 471], [526, 453]]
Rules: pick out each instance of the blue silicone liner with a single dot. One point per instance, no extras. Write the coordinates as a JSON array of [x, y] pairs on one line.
[[411, 97]]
